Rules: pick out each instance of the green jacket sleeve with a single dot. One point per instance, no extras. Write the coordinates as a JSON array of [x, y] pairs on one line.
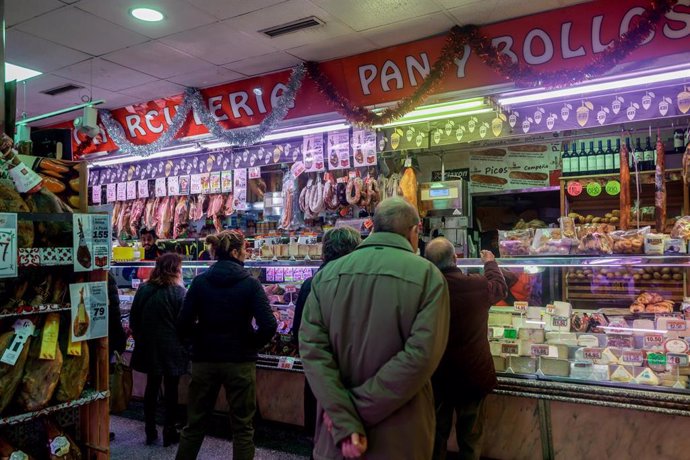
[[322, 372], [401, 378]]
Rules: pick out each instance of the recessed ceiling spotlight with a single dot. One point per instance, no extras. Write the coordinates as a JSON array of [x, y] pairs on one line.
[[257, 91], [147, 14]]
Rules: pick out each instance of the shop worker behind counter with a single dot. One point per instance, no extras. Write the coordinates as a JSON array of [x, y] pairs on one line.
[[373, 331], [466, 373], [217, 315]]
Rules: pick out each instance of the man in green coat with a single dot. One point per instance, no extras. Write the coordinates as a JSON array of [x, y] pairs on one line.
[[374, 329]]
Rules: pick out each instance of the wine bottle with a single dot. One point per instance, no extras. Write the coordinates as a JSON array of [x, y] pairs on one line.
[[638, 156], [574, 161], [565, 161], [600, 158], [679, 140], [591, 159], [648, 156], [617, 157], [582, 159], [608, 158]]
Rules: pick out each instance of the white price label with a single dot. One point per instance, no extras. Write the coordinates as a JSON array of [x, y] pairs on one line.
[[286, 362], [161, 187], [96, 192], [132, 190], [143, 186], [255, 172], [110, 193], [121, 191], [173, 186], [8, 245]]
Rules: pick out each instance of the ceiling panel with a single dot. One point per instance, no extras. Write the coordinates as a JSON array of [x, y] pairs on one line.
[[218, 43], [224, 9], [375, 13], [477, 12], [449, 4], [38, 103], [157, 59], [179, 15], [206, 78], [263, 64], [38, 54], [155, 90], [289, 11], [323, 51], [106, 74], [22, 10], [82, 31], [410, 30]]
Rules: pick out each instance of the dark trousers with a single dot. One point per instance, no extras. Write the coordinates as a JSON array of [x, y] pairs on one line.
[[239, 381], [153, 387], [469, 426], [309, 410]]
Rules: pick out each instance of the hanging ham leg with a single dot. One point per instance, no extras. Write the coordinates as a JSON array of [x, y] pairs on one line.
[[625, 188], [660, 186]]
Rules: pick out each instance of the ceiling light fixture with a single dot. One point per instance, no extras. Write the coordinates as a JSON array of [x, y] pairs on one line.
[[147, 14], [131, 159], [541, 94], [19, 73], [441, 111]]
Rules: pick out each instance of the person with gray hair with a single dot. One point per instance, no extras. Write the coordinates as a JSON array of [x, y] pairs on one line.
[[466, 373], [374, 330], [336, 243]]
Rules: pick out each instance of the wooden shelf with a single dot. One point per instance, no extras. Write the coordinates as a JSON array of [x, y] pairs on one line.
[[613, 176]]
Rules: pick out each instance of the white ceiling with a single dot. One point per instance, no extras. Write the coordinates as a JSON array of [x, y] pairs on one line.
[[98, 45]]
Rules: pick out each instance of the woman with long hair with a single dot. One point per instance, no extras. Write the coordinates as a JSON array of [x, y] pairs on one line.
[[158, 351], [217, 315]]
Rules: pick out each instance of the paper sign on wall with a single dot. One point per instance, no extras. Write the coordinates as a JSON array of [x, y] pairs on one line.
[[205, 183], [96, 193], [111, 193], [514, 167], [214, 182], [312, 151], [195, 184], [89, 318], [363, 147], [226, 181], [173, 186], [8, 245], [161, 187], [338, 150], [254, 173], [91, 242], [121, 191], [131, 190], [184, 185], [240, 182], [143, 186]]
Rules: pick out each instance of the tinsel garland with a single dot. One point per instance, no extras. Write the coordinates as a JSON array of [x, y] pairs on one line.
[[193, 100], [521, 74], [249, 136], [117, 133]]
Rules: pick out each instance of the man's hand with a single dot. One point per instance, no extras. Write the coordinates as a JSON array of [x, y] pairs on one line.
[[354, 446], [487, 256]]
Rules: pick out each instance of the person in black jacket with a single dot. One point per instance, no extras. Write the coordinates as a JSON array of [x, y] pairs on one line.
[[336, 243], [217, 315], [158, 351], [116, 334]]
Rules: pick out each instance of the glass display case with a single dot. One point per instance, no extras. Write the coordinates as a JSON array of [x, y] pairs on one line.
[[599, 330]]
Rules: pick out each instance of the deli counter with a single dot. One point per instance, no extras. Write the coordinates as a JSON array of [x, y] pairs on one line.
[[578, 342]]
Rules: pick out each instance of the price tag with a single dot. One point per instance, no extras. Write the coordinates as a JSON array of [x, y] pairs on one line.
[[286, 362], [550, 309], [408, 163], [509, 349], [255, 172], [173, 186], [143, 186], [520, 306], [635, 357], [656, 359], [510, 333], [653, 340], [594, 354], [8, 245], [161, 187], [613, 187], [136, 283], [23, 329], [574, 188], [121, 191], [111, 193], [368, 224], [559, 321], [676, 325], [298, 168], [677, 359], [594, 189], [96, 193], [291, 289], [131, 190], [539, 350]]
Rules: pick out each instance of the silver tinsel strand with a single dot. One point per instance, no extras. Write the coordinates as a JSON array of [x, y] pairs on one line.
[[249, 136], [193, 100]]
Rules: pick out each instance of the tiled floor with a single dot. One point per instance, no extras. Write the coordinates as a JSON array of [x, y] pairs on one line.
[[129, 444]]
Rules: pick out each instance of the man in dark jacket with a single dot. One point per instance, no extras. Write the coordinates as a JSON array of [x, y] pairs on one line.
[[466, 373], [217, 315]]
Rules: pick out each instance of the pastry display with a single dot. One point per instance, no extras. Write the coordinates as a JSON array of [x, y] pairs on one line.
[[514, 242], [630, 242], [651, 302], [612, 217]]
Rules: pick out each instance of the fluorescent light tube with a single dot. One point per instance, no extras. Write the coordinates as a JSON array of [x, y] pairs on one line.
[[305, 131], [447, 107], [594, 87], [19, 73], [406, 121], [154, 156]]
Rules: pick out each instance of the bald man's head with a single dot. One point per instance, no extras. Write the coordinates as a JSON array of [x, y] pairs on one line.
[[395, 215], [441, 253]]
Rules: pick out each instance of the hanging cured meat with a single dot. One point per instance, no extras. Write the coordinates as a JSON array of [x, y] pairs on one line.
[[408, 184], [60, 445], [625, 188], [330, 195], [136, 213], [228, 206], [164, 217], [40, 379], [11, 376], [11, 201], [660, 186], [181, 217], [315, 197]]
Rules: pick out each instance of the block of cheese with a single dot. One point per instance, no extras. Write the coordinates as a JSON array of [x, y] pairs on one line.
[[500, 318], [589, 371], [647, 377], [565, 338], [622, 374], [495, 348], [552, 366], [533, 335], [522, 365], [643, 326], [588, 341], [499, 363], [562, 350]]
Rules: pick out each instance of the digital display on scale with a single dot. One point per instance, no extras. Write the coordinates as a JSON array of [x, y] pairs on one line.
[[439, 193]]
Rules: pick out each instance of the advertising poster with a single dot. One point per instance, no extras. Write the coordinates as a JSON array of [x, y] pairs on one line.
[[363, 147], [8, 245], [89, 318], [173, 186], [214, 182], [240, 189], [338, 147], [509, 168], [312, 151], [226, 181], [91, 242]]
